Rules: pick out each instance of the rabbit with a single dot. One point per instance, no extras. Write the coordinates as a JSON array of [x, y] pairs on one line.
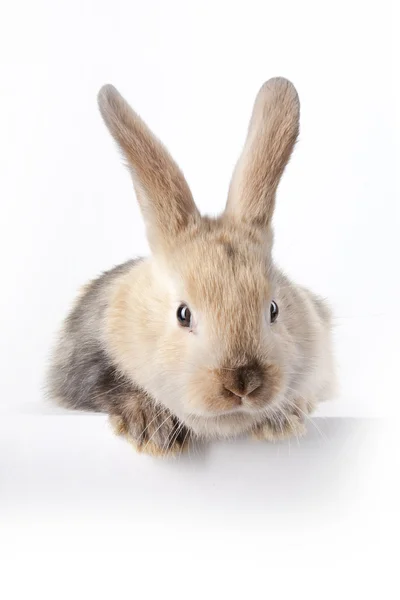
[[206, 338]]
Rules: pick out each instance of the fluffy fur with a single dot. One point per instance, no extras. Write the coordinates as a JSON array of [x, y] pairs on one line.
[[122, 350]]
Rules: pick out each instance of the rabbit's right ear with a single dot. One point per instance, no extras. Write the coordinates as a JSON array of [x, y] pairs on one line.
[[164, 196], [273, 131]]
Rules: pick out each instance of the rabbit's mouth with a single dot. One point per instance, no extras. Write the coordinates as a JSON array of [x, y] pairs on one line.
[[233, 420], [224, 424], [244, 406]]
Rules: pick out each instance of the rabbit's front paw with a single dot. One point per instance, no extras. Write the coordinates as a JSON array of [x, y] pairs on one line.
[[151, 429], [283, 424]]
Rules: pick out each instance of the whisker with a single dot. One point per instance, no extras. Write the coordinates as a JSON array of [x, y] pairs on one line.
[[174, 436], [154, 433], [161, 410], [184, 440], [108, 391], [294, 405]]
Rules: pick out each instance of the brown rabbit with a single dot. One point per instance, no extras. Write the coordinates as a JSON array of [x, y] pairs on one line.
[[206, 338]]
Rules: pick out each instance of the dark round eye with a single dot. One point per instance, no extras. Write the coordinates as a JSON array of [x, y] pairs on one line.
[[274, 311], [184, 315]]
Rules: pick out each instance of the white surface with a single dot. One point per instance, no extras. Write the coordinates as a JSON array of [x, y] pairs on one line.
[[192, 70], [88, 470], [83, 516]]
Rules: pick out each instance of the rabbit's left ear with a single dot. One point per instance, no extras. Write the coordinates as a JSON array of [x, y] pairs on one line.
[[161, 189], [272, 134]]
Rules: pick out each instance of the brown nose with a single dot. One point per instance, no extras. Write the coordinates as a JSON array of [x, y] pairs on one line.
[[243, 380]]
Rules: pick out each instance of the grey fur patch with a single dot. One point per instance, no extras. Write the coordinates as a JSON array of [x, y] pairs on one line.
[[81, 374]]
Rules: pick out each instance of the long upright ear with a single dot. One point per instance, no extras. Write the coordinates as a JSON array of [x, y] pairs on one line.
[[164, 196], [272, 134]]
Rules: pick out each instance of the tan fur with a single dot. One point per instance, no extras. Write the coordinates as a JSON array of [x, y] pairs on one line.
[[155, 175], [277, 431], [149, 427], [222, 269], [148, 447], [273, 131], [232, 370], [187, 374]]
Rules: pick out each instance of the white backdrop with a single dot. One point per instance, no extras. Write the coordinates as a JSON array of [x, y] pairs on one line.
[[192, 70], [82, 515]]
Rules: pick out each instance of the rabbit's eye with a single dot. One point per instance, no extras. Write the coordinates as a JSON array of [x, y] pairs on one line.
[[184, 315], [274, 311]]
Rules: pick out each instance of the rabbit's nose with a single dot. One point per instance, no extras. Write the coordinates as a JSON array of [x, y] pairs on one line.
[[243, 381], [246, 390]]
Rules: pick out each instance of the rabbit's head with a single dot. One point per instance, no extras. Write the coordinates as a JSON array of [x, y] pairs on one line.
[[200, 327]]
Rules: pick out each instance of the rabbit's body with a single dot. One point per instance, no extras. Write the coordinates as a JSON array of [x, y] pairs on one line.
[[230, 363], [98, 364]]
